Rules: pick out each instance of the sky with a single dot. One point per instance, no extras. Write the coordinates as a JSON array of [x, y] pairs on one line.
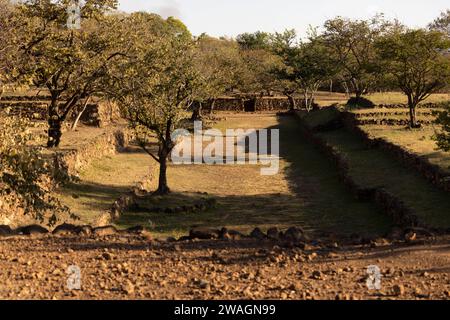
[[232, 17]]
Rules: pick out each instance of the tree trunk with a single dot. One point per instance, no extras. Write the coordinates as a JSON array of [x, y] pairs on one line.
[[212, 104], [292, 103], [54, 132], [413, 116], [54, 125], [254, 103], [307, 101], [197, 111], [163, 187], [75, 123]]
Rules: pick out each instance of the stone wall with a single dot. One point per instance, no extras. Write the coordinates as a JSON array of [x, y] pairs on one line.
[[98, 114], [262, 104], [428, 105], [67, 164]]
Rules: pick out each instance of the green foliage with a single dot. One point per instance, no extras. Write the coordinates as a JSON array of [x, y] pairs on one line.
[[442, 23], [360, 102], [412, 60], [351, 43], [7, 49], [306, 65], [24, 172], [443, 137], [155, 83], [218, 64], [254, 41], [69, 63]]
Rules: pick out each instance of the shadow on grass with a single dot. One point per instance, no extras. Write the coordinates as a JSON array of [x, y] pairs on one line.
[[319, 200]]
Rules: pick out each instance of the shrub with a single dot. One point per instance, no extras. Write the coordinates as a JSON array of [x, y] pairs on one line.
[[24, 172], [360, 102], [443, 119]]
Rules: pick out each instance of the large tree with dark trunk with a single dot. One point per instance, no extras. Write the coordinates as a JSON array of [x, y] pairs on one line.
[[414, 61], [306, 66], [351, 44], [68, 62], [218, 64], [155, 84]]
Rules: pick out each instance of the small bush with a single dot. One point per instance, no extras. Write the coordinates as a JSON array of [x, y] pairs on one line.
[[443, 137], [24, 172], [360, 102]]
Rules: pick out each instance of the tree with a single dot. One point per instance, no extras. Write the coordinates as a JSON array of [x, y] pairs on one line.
[[154, 85], [443, 137], [442, 23], [306, 66], [351, 43], [68, 62], [218, 64], [7, 48], [284, 45], [413, 61], [257, 40], [258, 62]]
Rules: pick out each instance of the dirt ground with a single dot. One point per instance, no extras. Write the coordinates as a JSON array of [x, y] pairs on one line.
[[134, 267]]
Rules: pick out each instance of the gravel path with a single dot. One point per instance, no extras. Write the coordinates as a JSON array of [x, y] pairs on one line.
[[128, 266]]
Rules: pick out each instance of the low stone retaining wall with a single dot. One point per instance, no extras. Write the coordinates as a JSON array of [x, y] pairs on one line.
[[401, 215], [387, 114], [262, 104], [428, 105], [390, 122], [67, 164], [99, 114], [433, 173]]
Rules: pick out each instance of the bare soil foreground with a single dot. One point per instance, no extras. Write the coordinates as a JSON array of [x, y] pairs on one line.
[[128, 266]]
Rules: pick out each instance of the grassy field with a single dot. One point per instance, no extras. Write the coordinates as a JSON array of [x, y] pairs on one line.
[[419, 141], [103, 182], [375, 168], [306, 192]]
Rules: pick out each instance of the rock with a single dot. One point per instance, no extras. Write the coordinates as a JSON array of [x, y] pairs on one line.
[[6, 230], [342, 296], [203, 284], [107, 256], [317, 275], [257, 234], [273, 233], [86, 230], [294, 234], [136, 229], [398, 290], [32, 230], [410, 236], [128, 288], [226, 234], [104, 231], [204, 233], [66, 229]]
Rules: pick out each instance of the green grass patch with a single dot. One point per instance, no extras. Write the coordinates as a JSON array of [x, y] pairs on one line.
[[376, 168]]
